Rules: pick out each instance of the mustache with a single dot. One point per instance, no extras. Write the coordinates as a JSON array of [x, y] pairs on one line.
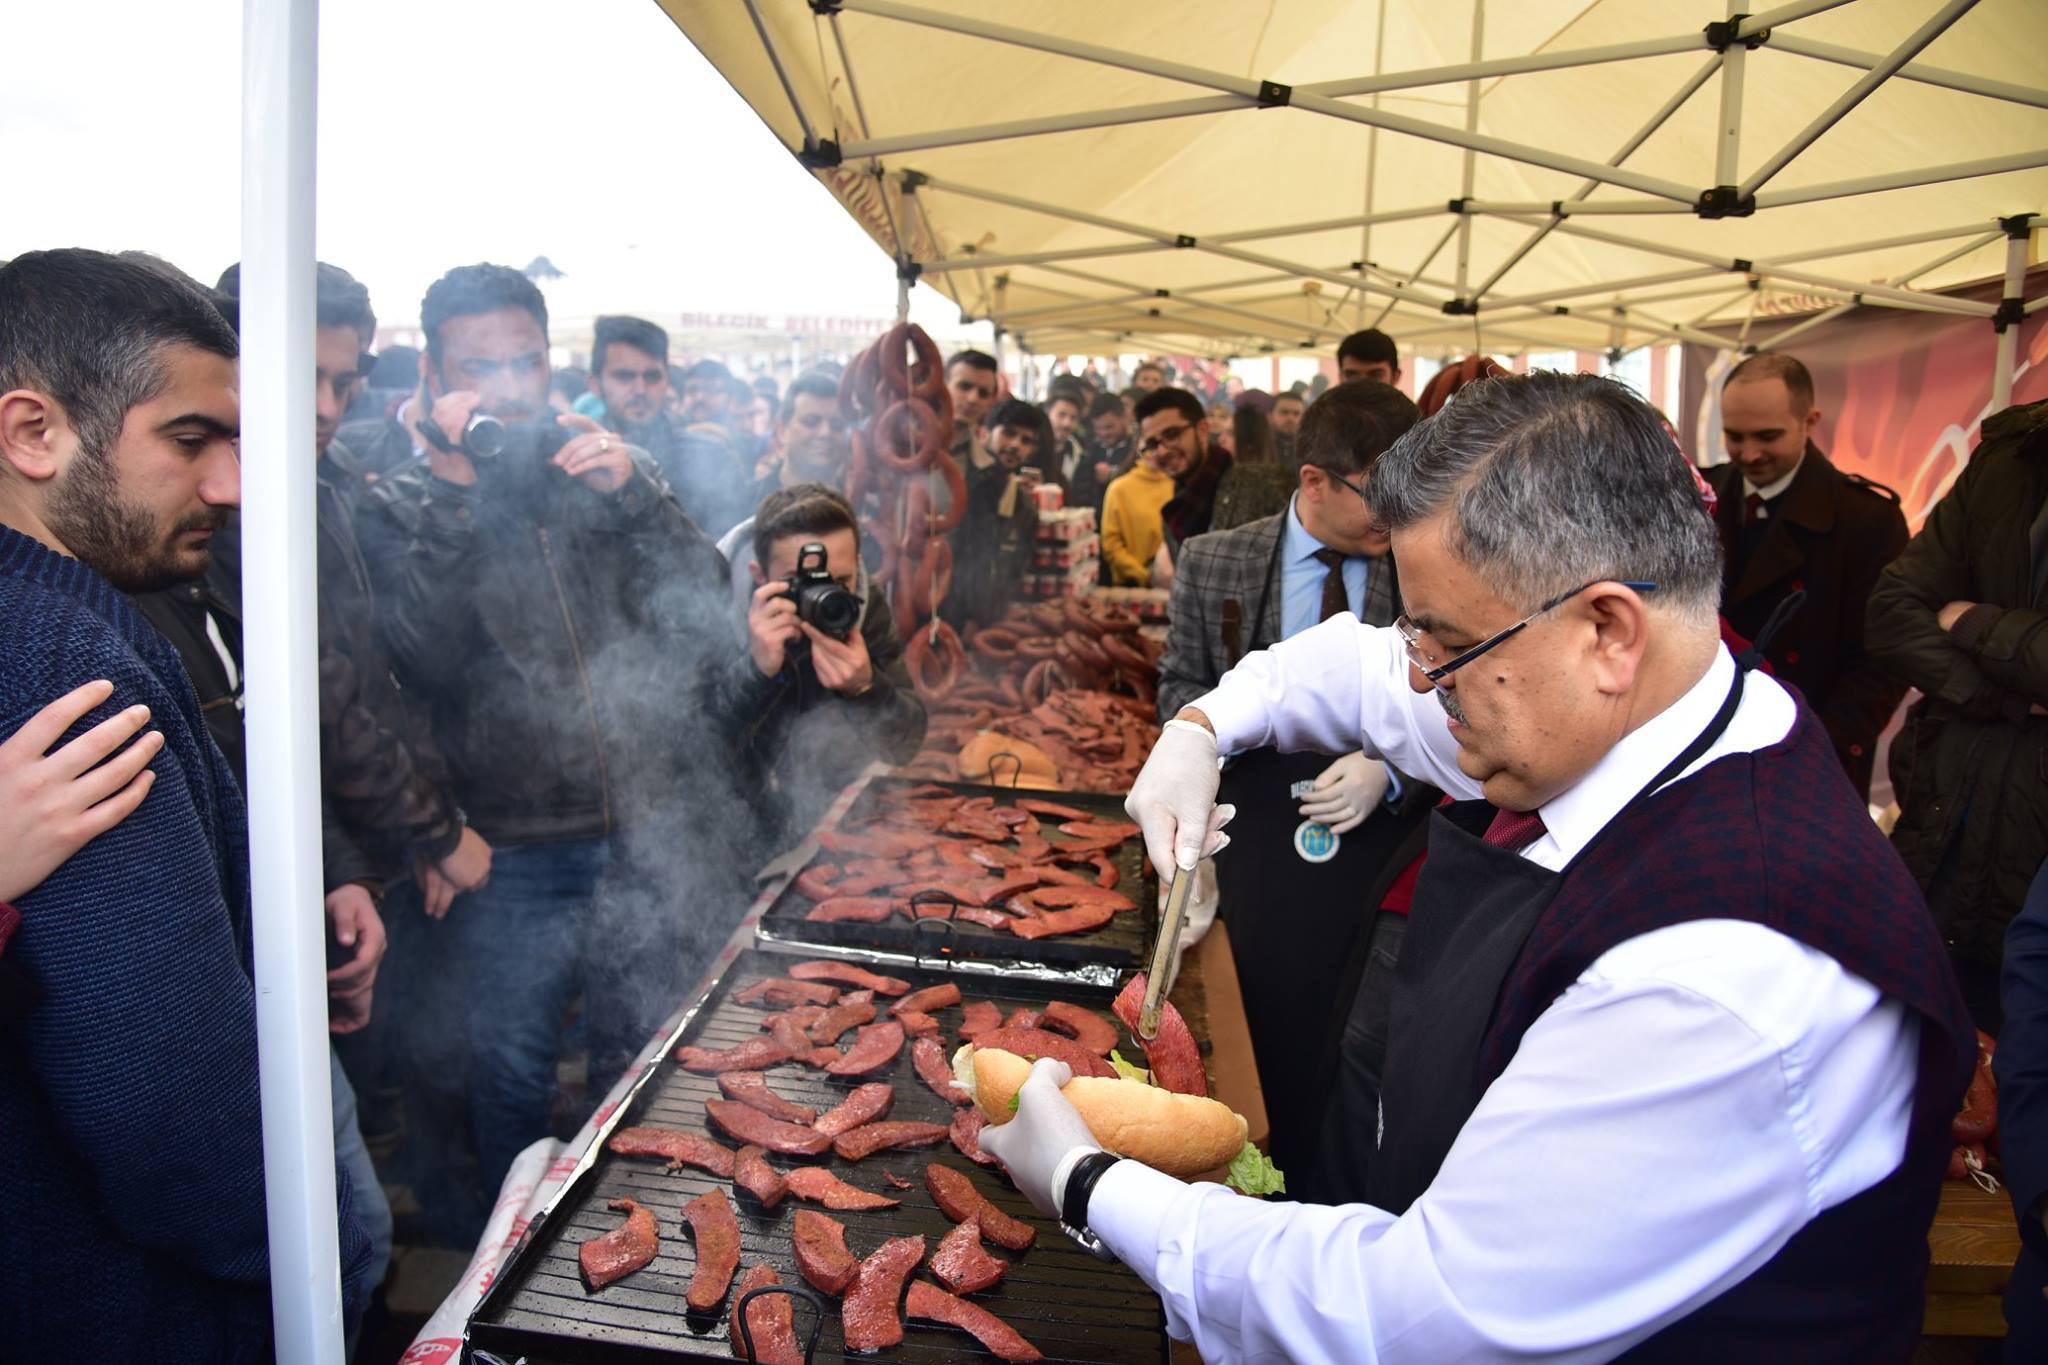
[[212, 519], [1454, 708]]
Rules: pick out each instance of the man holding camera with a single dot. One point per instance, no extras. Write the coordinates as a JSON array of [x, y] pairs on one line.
[[822, 689], [549, 610]]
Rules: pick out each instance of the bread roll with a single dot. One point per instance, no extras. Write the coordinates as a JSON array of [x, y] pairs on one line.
[[1182, 1135], [1021, 763]]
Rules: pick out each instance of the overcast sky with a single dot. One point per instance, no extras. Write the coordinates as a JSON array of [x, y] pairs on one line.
[[450, 131]]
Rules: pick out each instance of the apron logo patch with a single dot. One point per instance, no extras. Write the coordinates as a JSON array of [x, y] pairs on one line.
[[1315, 842]]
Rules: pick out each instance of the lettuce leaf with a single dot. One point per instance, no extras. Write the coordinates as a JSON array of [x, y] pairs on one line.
[[1253, 1174], [1013, 1099], [1127, 1071]]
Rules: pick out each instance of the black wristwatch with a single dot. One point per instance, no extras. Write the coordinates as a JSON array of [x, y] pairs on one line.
[[1074, 1204]]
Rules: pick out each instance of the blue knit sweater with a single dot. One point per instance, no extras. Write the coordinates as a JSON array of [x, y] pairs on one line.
[[131, 1156]]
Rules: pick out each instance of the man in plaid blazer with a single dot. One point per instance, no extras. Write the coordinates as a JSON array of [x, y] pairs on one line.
[[1310, 835]]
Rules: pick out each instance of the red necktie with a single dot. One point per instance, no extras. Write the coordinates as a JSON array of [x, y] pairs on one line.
[[1514, 830], [1752, 508]]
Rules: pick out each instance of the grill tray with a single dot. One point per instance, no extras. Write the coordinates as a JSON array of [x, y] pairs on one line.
[[1068, 1304], [1123, 943]]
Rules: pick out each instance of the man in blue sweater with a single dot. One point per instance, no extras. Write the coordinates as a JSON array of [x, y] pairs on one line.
[[133, 1161]]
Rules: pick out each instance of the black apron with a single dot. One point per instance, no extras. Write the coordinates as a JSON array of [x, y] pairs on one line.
[[1474, 907], [1294, 922]]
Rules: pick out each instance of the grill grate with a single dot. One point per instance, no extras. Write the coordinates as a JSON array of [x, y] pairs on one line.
[[1068, 1304], [1122, 943]]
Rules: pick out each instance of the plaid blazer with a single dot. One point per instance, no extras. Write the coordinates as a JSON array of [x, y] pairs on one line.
[[1226, 603]]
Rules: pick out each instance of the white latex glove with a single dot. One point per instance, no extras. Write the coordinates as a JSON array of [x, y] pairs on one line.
[[1174, 799], [1040, 1146], [1346, 792]]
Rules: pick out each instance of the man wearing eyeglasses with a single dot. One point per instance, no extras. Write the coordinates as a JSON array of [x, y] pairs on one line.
[[1312, 834], [1174, 430], [1674, 1047]]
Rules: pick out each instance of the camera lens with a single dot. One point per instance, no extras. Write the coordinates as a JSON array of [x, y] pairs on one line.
[[484, 437], [830, 608]]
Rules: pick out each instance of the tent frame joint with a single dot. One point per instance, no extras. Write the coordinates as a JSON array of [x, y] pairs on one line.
[[820, 154], [1725, 201], [1723, 34], [1458, 206], [913, 181], [825, 9], [1461, 308], [908, 271], [1183, 242], [2017, 226], [1274, 95], [2012, 310]]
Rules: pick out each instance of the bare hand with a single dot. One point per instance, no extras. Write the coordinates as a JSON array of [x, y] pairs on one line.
[[349, 986], [842, 665], [468, 868], [772, 623], [598, 457], [53, 804], [451, 415], [1104, 471], [437, 893], [1952, 613]]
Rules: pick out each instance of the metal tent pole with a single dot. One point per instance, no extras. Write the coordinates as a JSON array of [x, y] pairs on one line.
[[280, 63], [1857, 93], [1913, 71], [2010, 310], [1464, 257]]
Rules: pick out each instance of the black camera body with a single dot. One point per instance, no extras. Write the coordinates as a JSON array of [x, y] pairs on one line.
[[820, 601], [488, 439]]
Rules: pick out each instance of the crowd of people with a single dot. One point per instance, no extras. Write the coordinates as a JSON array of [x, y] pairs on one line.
[[572, 698]]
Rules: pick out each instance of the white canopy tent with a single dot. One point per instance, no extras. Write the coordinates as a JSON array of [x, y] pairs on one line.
[[1228, 178]]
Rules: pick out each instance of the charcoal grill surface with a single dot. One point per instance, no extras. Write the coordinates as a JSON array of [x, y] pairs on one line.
[[1123, 943], [1068, 1304]]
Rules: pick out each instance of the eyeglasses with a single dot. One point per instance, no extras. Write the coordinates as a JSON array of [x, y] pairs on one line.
[[1164, 438], [1434, 673], [1333, 474]]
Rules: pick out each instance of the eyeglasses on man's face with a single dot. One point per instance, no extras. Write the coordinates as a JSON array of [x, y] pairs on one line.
[[1434, 668], [1169, 436]]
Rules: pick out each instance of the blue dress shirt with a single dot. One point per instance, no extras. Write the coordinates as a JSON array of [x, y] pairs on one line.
[[1302, 575]]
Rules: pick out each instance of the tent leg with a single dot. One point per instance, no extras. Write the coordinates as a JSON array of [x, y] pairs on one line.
[[280, 63], [2008, 328]]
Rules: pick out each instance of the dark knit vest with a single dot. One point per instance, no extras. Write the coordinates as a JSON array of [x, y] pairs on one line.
[[1778, 838]]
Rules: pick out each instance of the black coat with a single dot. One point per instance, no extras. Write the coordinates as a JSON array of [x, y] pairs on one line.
[[1971, 765], [1830, 534]]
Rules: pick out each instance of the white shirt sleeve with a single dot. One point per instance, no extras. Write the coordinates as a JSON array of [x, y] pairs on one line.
[[1338, 687], [1696, 1098]]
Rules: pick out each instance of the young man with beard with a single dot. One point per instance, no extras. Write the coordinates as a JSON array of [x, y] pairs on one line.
[[554, 611], [812, 448], [134, 1157], [1174, 430], [705, 463]]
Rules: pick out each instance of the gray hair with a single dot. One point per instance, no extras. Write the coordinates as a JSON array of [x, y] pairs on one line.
[[1552, 481]]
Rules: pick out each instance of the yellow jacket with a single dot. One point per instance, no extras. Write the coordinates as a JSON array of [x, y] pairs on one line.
[[1133, 527]]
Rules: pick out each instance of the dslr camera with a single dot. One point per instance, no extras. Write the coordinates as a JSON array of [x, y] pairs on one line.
[[487, 439], [819, 598]]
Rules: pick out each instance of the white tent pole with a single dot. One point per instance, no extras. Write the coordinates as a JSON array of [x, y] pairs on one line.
[[1785, 14], [1901, 180], [280, 64], [1624, 152], [1372, 151], [1327, 225], [1605, 286], [1728, 138], [1434, 252], [775, 60], [1464, 268], [1857, 93], [2008, 329], [899, 143], [1913, 71], [1973, 230], [1572, 208], [1301, 98], [952, 264]]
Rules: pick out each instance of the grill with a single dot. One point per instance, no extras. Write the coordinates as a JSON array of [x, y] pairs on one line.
[[1065, 1302], [1121, 944]]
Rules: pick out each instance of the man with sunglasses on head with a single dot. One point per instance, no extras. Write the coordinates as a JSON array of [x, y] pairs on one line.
[[1312, 834], [1674, 1048]]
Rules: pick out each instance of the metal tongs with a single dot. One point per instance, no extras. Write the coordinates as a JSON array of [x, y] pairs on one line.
[[1165, 952]]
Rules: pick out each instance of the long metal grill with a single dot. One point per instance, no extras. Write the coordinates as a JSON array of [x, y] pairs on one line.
[[1066, 1303]]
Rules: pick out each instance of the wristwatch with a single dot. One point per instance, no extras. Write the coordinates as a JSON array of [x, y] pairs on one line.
[[1074, 1204]]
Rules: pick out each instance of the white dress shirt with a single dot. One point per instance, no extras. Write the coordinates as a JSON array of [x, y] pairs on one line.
[[1697, 1096]]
